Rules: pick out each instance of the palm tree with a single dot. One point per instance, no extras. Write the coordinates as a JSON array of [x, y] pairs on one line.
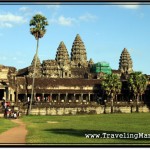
[[37, 24], [111, 85], [137, 84]]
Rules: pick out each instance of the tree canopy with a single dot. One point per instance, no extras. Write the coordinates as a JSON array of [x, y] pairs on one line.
[[111, 84], [137, 83], [38, 24]]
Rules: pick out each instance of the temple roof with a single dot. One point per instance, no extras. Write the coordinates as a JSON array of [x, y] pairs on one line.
[[42, 85], [56, 91], [22, 72], [49, 62], [46, 82]]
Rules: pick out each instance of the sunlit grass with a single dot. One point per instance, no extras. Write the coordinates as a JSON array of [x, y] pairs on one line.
[[6, 124], [72, 129]]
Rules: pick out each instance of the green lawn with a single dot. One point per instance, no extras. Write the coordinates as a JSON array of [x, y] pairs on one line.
[[72, 129], [6, 124]]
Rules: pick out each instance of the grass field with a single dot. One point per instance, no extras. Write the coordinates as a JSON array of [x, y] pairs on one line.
[[6, 124], [72, 129]]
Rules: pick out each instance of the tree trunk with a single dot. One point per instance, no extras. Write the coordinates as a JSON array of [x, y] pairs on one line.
[[112, 103], [137, 101], [34, 70]]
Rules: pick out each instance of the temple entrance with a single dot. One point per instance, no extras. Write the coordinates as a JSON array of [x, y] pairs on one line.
[[85, 97], [55, 97], [70, 97], [78, 97], [92, 97], [62, 97], [1, 94], [21, 97]]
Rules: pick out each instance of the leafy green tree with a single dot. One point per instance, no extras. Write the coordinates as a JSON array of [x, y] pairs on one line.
[[111, 85], [137, 85], [37, 24]]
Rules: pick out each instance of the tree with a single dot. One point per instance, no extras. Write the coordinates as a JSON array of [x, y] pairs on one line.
[[137, 85], [111, 85], [37, 24]]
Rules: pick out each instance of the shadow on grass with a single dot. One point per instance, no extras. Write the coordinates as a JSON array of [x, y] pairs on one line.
[[101, 134]]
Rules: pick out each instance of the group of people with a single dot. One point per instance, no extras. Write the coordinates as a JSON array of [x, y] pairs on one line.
[[9, 111], [40, 99]]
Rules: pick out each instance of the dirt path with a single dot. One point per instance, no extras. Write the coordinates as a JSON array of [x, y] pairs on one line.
[[16, 135]]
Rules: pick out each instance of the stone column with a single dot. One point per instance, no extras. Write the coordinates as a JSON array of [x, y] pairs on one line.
[[10, 95], [66, 97], [5, 94], [34, 96], [81, 96], [13, 96], [42, 97], [89, 97], [16, 96], [51, 97], [74, 98], [26, 96], [58, 96]]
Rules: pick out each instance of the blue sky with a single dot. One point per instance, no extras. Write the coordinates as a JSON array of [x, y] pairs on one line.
[[105, 30]]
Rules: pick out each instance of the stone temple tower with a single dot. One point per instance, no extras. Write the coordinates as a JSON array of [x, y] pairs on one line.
[[62, 56], [125, 62], [63, 61], [38, 70], [78, 53]]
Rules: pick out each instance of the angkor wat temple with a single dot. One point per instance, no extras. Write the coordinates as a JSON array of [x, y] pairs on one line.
[[66, 78]]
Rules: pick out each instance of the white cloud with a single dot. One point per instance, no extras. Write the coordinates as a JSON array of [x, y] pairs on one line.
[[130, 5], [5, 24], [28, 12], [65, 21], [70, 21], [87, 17], [24, 9], [9, 19]]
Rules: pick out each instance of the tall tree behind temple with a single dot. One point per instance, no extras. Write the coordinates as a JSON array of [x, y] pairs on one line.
[[111, 85], [37, 24], [137, 84]]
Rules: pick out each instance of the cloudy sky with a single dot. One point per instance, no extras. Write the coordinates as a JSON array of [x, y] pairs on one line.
[[104, 29]]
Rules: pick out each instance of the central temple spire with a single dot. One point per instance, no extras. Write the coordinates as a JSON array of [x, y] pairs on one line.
[[78, 52], [125, 62]]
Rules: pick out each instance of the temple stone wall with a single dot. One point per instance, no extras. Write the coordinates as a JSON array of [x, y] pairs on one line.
[[4, 73], [85, 110]]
